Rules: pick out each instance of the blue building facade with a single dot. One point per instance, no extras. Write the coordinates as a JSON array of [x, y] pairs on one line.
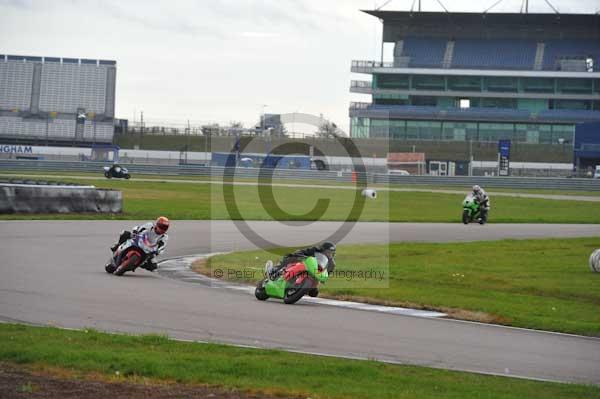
[[530, 78], [586, 148]]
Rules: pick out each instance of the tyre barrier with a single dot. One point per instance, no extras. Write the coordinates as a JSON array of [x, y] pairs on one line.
[[40, 197]]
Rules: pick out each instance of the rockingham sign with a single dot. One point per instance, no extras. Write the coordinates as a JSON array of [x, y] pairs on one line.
[[16, 149]]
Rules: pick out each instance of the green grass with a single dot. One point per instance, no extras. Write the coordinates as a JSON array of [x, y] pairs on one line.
[[274, 372], [143, 200], [540, 284], [98, 176]]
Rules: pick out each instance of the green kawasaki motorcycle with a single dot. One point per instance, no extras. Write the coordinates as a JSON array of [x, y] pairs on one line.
[[294, 280], [472, 211]]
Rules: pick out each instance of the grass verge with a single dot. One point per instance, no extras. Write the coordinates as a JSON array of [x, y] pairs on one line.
[[146, 199], [61, 175], [155, 357], [541, 284]]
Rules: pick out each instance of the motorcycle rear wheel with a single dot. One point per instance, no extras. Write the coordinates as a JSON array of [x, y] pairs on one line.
[[484, 217], [293, 294]]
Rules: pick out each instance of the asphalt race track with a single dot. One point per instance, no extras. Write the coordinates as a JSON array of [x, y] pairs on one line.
[[52, 273]]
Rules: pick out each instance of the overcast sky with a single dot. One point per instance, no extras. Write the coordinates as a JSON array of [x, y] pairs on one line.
[[222, 60]]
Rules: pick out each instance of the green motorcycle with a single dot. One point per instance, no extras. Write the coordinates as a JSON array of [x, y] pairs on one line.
[[295, 280], [473, 211]]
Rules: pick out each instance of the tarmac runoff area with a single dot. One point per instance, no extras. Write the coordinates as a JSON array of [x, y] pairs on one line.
[[52, 273]]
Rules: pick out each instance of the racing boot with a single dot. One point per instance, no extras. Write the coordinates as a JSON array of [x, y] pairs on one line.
[[269, 269]]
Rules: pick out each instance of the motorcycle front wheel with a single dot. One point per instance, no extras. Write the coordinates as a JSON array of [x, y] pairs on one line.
[[107, 175], [260, 293], [466, 217]]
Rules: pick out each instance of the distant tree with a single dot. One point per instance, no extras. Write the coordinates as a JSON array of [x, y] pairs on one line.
[[328, 130], [279, 131], [214, 129], [235, 128]]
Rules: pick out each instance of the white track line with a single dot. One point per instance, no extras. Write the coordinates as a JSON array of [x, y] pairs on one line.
[[181, 269]]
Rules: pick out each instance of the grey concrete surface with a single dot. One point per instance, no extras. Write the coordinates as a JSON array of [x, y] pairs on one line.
[[52, 273]]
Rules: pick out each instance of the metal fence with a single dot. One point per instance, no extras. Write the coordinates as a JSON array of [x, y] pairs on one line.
[[573, 184]]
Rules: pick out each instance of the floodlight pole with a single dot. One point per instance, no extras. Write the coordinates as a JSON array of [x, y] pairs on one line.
[[382, 29]]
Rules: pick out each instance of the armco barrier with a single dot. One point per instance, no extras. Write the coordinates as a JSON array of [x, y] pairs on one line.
[[552, 183], [31, 198]]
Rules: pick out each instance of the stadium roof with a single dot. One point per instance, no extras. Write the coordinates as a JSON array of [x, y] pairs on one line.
[[487, 25]]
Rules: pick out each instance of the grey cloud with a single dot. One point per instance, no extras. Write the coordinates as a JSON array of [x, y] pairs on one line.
[[156, 18], [17, 3]]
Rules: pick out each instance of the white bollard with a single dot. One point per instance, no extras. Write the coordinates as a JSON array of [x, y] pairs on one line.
[[595, 261], [368, 193]]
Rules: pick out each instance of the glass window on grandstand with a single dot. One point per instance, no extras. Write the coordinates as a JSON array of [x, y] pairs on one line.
[[533, 133], [564, 133], [582, 86], [538, 85], [428, 82], [385, 81], [380, 128], [501, 84], [397, 129], [584, 105], [459, 131], [465, 83], [423, 130], [360, 127], [495, 131]]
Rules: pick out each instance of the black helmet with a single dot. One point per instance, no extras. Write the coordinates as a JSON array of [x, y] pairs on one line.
[[328, 246]]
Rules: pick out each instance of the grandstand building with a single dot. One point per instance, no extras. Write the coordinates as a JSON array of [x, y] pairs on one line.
[[479, 77], [56, 100]]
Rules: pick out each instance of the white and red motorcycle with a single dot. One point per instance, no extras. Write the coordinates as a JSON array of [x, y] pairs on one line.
[[135, 252]]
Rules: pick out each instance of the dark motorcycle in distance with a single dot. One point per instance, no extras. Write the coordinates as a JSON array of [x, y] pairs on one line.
[[116, 171], [133, 253]]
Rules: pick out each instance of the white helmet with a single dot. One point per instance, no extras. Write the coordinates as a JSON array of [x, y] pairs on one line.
[[476, 188]]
